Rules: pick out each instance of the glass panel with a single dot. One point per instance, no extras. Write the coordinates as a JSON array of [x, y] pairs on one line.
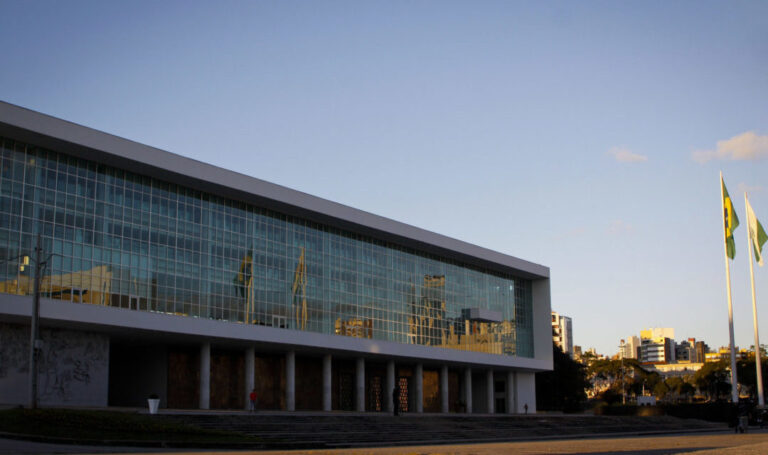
[[142, 244]]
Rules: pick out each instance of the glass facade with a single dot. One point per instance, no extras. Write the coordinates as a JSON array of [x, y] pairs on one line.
[[135, 242]]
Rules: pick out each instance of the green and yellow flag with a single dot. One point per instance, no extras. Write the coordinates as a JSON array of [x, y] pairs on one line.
[[731, 221], [756, 234]]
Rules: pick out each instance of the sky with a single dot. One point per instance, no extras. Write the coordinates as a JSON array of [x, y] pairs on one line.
[[584, 136]]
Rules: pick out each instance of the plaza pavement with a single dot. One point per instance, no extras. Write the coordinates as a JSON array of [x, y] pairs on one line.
[[726, 443]]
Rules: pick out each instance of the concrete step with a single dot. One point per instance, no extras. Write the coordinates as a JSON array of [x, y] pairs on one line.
[[352, 430]]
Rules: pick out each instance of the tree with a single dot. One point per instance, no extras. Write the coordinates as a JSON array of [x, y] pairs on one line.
[[680, 388], [562, 388], [660, 390], [747, 374], [712, 380]]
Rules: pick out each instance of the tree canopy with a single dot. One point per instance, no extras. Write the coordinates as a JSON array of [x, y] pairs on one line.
[[562, 388]]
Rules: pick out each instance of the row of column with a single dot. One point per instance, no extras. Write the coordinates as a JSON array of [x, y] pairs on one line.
[[290, 383]]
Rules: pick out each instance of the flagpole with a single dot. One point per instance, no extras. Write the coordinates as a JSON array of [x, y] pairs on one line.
[[734, 379], [760, 398]]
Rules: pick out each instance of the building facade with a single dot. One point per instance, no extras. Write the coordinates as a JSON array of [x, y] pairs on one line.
[[657, 346], [630, 349], [166, 275], [562, 332]]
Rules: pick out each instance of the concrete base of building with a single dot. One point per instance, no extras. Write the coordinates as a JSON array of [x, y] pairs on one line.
[[81, 368]]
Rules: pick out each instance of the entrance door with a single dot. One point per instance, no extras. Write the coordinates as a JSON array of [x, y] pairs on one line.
[[375, 395], [403, 381], [346, 392]]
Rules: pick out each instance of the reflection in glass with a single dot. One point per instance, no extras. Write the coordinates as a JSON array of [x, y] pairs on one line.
[[138, 243]]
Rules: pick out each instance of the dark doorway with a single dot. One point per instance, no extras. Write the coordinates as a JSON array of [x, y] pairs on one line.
[[135, 372], [343, 385]]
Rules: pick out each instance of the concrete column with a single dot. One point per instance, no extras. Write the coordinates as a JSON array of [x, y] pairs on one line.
[[205, 376], [390, 386], [444, 389], [360, 385], [418, 382], [510, 395], [250, 375], [327, 369], [290, 381], [490, 393], [468, 389]]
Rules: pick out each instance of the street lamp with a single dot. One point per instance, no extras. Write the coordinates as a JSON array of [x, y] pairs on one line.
[[35, 343], [623, 391]]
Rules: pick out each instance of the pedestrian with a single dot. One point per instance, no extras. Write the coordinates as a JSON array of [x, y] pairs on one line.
[[253, 397], [526, 408], [396, 399]]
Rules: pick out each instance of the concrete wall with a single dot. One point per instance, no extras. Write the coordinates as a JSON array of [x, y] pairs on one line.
[[526, 392], [542, 322], [72, 370]]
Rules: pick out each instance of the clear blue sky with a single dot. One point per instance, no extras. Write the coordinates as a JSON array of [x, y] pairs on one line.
[[585, 136]]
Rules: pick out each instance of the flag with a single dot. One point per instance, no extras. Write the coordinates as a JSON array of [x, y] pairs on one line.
[[756, 234], [731, 221]]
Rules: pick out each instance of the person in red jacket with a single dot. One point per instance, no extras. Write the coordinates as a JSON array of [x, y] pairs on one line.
[[252, 396]]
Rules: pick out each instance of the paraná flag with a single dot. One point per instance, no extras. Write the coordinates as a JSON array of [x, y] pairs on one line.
[[756, 234]]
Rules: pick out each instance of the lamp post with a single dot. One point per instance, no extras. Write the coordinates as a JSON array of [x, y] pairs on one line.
[[35, 343], [623, 391]]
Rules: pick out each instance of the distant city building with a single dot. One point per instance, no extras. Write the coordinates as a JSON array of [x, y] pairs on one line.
[[577, 352], [657, 345], [630, 348], [675, 369], [724, 353], [562, 332], [685, 351], [701, 351], [657, 332]]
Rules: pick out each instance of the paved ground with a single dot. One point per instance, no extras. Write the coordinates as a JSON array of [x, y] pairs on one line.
[[753, 443], [13, 446]]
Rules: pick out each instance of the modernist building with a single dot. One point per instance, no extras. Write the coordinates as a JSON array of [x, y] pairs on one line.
[[170, 276]]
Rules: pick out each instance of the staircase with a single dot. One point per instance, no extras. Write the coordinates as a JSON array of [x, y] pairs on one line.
[[328, 431]]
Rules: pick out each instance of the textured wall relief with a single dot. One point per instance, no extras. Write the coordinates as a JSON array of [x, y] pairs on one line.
[[70, 361], [14, 349], [72, 368]]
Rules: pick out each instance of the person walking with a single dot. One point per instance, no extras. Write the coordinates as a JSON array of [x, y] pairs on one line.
[[253, 396]]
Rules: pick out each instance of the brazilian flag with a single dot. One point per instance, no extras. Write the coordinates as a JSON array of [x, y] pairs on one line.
[[731, 221]]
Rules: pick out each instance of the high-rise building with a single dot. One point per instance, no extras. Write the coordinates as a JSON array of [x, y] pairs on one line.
[[657, 345], [630, 347], [167, 275], [701, 350], [562, 332], [685, 351]]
